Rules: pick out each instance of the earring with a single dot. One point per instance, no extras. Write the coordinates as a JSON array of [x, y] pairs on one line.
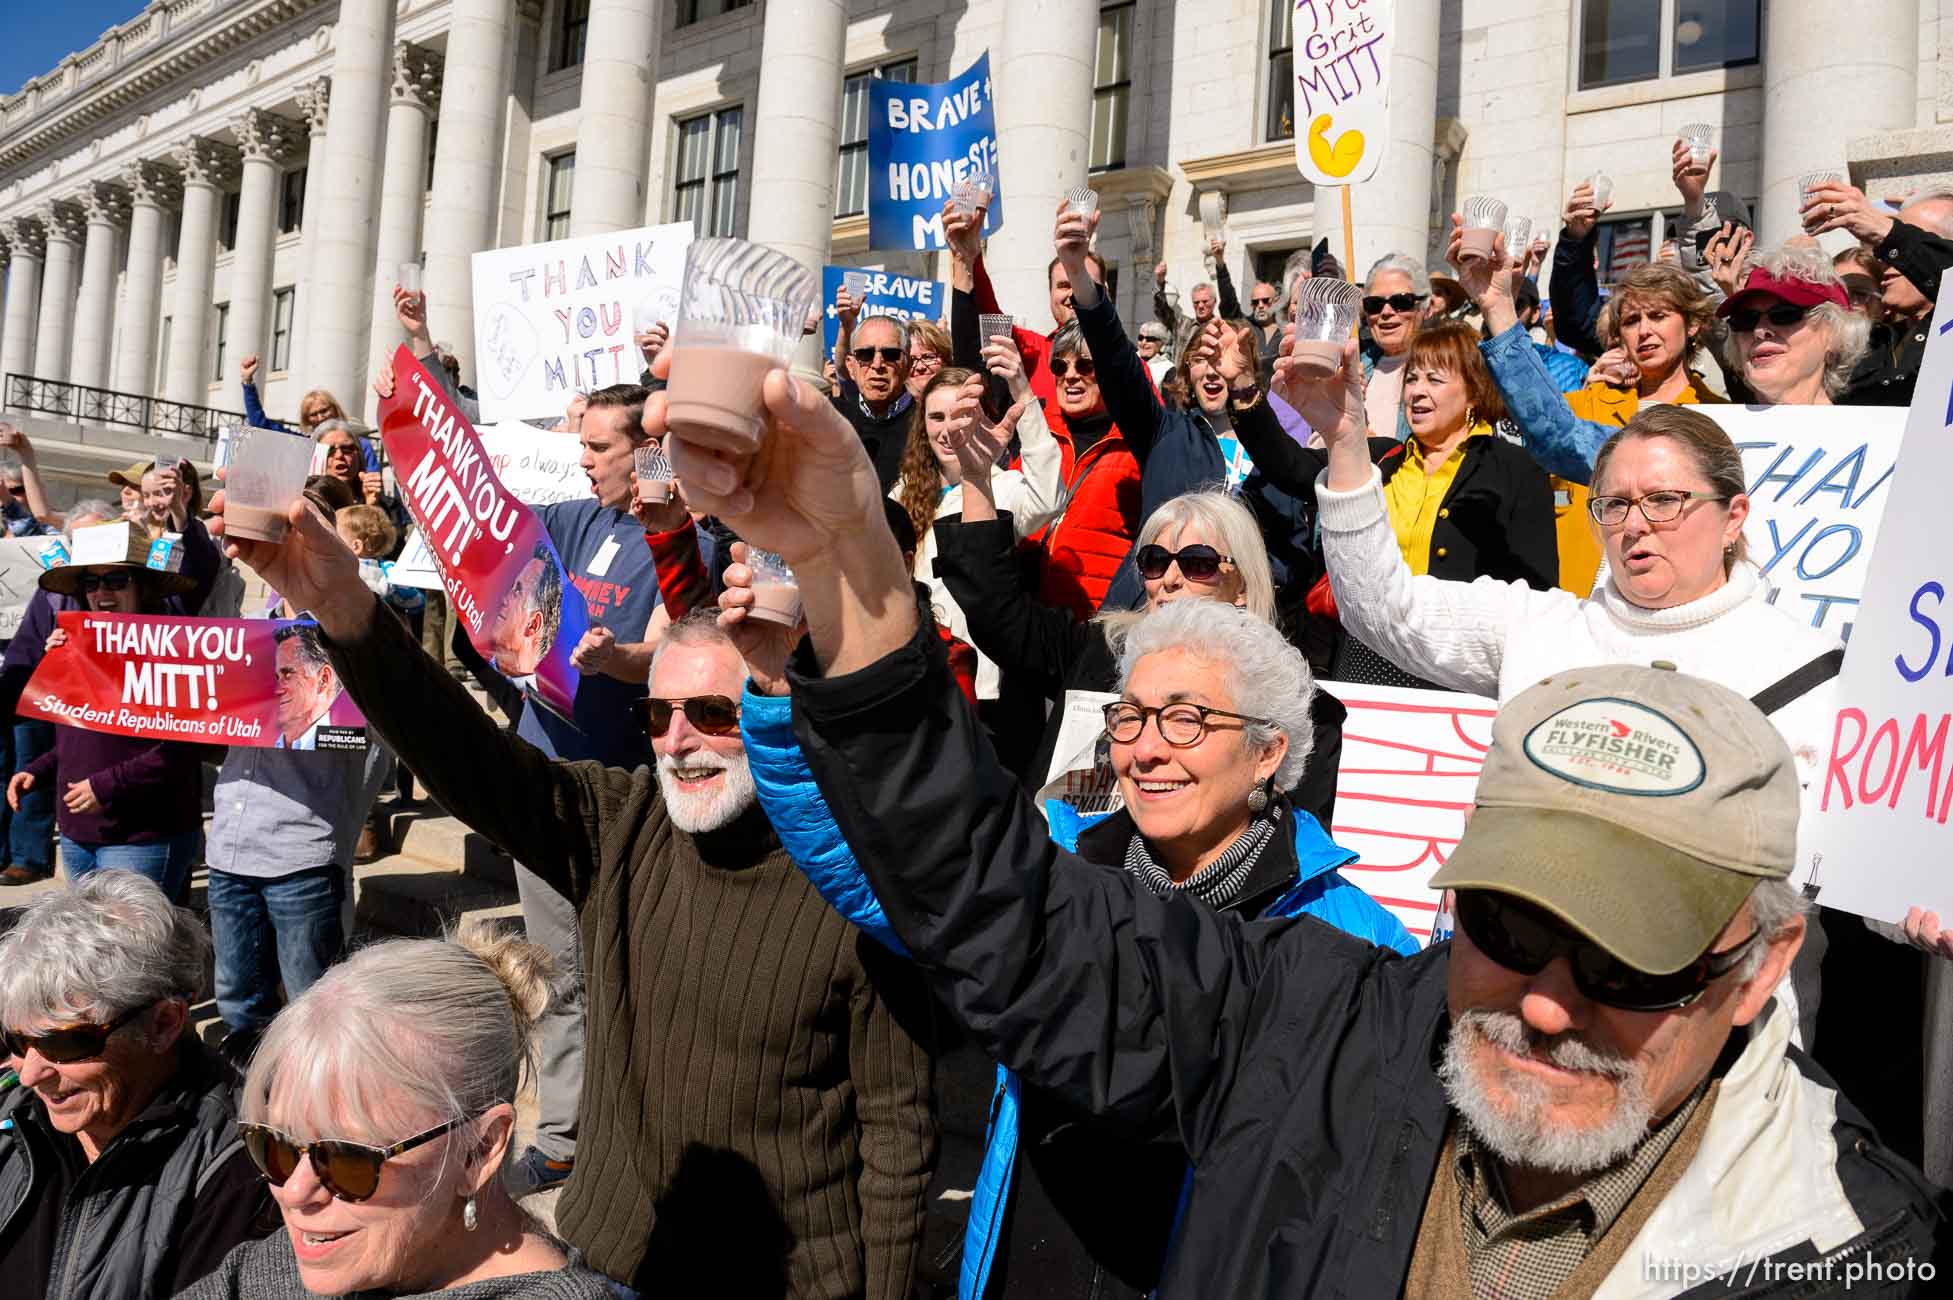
[[1258, 800], [1471, 416], [469, 1219]]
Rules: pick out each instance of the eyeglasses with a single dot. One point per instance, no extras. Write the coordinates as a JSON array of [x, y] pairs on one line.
[[715, 715], [1197, 563], [105, 581], [70, 1043], [1783, 315], [1261, 302], [925, 361], [889, 356], [1083, 365], [1373, 304], [1181, 725], [1524, 938], [349, 1170], [1656, 507]]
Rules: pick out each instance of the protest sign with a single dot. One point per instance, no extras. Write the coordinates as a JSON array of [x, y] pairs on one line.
[[922, 139], [414, 566], [904, 297], [1879, 842], [556, 319], [1819, 478], [1410, 765], [503, 578], [20, 573], [264, 683], [1342, 88], [538, 467]]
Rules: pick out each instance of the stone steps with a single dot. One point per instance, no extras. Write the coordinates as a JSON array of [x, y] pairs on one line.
[[440, 872]]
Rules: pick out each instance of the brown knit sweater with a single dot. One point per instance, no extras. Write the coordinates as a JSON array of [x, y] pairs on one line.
[[756, 1117]]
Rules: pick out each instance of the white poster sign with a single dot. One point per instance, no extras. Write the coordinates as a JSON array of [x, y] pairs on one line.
[[555, 319], [538, 466], [20, 575], [1341, 53]]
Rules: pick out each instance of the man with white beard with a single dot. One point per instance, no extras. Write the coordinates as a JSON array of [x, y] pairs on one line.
[[757, 1108]]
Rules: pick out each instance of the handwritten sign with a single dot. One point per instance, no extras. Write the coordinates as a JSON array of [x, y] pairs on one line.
[[20, 576], [538, 467], [555, 319], [922, 140], [1819, 478], [903, 297], [264, 683], [1879, 841], [502, 575], [1342, 87]]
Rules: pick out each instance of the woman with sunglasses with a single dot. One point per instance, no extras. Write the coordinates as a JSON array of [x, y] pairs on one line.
[[121, 1172], [121, 801], [379, 1106], [1396, 295]]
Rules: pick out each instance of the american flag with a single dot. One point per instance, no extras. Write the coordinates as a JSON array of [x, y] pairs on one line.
[[1630, 250]]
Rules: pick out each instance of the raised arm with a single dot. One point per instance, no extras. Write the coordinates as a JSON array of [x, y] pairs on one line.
[[254, 416], [1575, 290], [1035, 642], [1229, 305]]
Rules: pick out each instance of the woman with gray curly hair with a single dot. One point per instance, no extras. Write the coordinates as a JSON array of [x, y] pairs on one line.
[[1792, 330], [380, 1105], [121, 1171]]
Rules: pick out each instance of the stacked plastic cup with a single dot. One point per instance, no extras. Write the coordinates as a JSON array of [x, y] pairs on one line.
[[1603, 188], [1809, 183], [409, 278], [743, 310], [1700, 138], [990, 325], [856, 283], [1518, 237], [1325, 314], [1484, 218], [1083, 200], [652, 469], [776, 592]]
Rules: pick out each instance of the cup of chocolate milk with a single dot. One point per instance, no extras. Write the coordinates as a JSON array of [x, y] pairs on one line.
[[652, 469], [743, 309], [266, 473], [1325, 316], [776, 592]]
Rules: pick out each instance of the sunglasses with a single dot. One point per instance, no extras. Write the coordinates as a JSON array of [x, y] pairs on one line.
[[349, 1170], [1783, 315], [1399, 301], [1261, 302], [1197, 563], [71, 1043], [715, 715], [1083, 365], [889, 356], [105, 581], [17, 489], [1524, 938]]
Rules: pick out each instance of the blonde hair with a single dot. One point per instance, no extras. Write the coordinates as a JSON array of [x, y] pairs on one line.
[[337, 412], [372, 532]]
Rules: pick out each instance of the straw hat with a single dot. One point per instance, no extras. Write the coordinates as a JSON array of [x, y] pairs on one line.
[[66, 580]]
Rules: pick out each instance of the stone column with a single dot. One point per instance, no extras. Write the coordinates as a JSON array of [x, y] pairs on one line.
[[1825, 83], [152, 188], [263, 139], [106, 207], [1392, 210], [29, 246], [467, 164], [403, 192], [342, 236], [207, 167], [314, 100], [1044, 139], [620, 63], [54, 335]]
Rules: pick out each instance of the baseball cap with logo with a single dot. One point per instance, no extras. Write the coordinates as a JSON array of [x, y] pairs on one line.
[[1638, 805]]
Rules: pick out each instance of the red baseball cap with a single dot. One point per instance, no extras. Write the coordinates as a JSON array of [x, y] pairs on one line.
[[1796, 292]]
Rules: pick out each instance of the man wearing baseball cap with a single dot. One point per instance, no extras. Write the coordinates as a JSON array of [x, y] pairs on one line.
[[1589, 1090]]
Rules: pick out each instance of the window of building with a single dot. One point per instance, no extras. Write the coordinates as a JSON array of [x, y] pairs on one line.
[[1269, 264], [557, 185], [707, 192], [227, 221], [1112, 85], [282, 302], [694, 11], [572, 27], [1281, 69], [221, 319], [1640, 40], [1626, 242], [291, 202], [851, 182]]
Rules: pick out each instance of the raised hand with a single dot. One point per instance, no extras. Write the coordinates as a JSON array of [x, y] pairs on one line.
[[1333, 405], [247, 369], [1846, 207], [846, 309], [963, 232], [1002, 359], [1581, 211], [1725, 252], [595, 652], [763, 644], [410, 309], [312, 568], [1689, 180], [1615, 368]]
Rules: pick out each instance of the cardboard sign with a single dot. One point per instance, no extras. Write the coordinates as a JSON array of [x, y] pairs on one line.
[[1819, 478], [259, 682], [1879, 841], [1342, 88], [539, 468], [903, 297], [21, 564], [921, 141], [503, 578], [1410, 766], [555, 319]]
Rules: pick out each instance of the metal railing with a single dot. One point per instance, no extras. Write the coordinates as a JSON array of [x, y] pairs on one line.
[[82, 404]]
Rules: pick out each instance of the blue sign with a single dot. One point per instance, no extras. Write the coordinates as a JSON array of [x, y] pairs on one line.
[[900, 296], [922, 140]]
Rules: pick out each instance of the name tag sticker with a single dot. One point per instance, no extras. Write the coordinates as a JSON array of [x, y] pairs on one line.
[[600, 562]]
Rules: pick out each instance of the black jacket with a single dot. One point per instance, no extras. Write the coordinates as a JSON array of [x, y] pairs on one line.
[[1890, 368], [885, 437], [1293, 1063]]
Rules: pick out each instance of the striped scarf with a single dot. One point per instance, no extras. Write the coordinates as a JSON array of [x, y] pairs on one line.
[[1219, 882]]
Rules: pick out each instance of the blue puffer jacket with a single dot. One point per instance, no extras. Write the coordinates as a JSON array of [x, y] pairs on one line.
[[806, 827]]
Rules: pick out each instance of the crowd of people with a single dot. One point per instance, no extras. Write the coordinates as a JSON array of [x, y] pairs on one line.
[[984, 932]]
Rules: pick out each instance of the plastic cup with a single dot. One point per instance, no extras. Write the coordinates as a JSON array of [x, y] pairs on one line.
[[742, 313], [991, 324], [1083, 200], [1700, 138], [856, 283], [1326, 310], [1603, 188], [266, 473], [776, 592], [1808, 183], [1484, 218], [409, 277], [1518, 237], [653, 472], [972, 192], [645, 316]]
